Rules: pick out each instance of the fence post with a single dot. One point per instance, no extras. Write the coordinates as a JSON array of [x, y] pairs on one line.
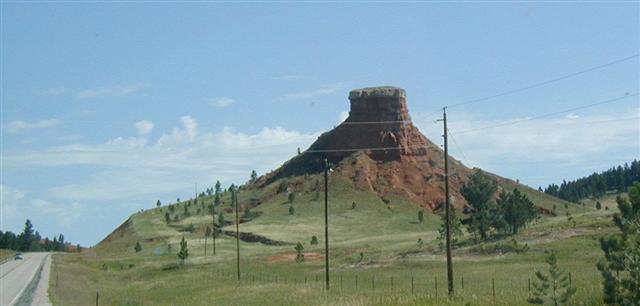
[[340, 282], [529, 286], [373, 282], [411, 284], [97, 297], [436, 287], [569, 279], [392, 283], [493, 289], [462, 279], [356, 282]]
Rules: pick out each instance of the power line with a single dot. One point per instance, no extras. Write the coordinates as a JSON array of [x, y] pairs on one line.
[[576, 121], [375, 122], [566, 76], [466, 160], [549, 114]]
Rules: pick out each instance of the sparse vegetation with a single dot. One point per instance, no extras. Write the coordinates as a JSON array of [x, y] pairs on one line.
[[620, 268], [553, 288], [390, 240]]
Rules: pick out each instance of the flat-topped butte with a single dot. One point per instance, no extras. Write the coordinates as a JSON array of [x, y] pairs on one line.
[[378, 91]]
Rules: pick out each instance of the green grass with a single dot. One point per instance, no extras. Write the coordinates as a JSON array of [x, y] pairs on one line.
[[385, 234]]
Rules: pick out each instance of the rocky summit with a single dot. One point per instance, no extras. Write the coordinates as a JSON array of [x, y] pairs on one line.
[[380, 150]]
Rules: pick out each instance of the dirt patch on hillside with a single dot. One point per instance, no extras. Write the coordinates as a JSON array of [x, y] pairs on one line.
[[546, 237], [251, 237], [308, 256]]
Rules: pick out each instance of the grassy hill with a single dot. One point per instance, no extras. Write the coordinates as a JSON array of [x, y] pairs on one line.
[[375, 255]]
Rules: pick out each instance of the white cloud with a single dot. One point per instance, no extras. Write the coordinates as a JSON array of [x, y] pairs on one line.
[[63, 214], [131, 168], [9, 201], [568, 139], [221, 102], [143, 127], [20, 125], [572, 116], [112, 91], [308, 94]]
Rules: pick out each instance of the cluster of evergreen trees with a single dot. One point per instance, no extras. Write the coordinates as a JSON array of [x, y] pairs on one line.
[[595, 185], [31, 241], [510, 212]]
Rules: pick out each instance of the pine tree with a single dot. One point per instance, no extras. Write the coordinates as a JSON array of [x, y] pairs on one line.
[[158, 204], [138, 247], [299, 252], [598, 205], [621, 265], [291, 197], [553, 288], [292, 210], [220, 220], [167, 217], [254, 176], [515, 209], [26, 236], [314, 240], [478, 192], [420, 216], [183, 254], [218, 187]]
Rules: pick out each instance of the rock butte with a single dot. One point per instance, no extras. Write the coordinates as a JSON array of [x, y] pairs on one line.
[[388, 155]]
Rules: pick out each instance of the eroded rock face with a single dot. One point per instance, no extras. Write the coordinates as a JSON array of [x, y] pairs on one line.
[[379, 149], [378, 124]]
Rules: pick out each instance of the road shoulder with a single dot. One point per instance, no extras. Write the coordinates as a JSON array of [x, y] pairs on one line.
[[41, 294]]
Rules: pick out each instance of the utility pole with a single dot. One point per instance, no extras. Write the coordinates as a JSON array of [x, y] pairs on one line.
[[326, 223], [213, 223], [447, 204], [235, 202]]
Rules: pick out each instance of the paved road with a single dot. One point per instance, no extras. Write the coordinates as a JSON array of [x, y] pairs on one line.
[[15, 275]]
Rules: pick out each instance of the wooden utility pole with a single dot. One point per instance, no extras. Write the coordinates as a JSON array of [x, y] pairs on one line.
[[447, 204], [235, 202], [213, 224], [326, 223]]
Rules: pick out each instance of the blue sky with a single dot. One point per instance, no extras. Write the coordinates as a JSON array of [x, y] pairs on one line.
[[107, 107]]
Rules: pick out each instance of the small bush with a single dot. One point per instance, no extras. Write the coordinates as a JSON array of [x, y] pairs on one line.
[[299, 255], [314, 240]]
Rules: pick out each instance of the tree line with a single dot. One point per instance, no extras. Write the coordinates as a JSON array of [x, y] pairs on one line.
[[30, 240], [597, 184]]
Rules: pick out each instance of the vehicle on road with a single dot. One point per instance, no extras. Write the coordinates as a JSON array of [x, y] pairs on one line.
[[18, 256]]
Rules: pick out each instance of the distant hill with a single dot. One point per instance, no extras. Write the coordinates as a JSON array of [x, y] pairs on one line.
[[384, 172], [616, 179]]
